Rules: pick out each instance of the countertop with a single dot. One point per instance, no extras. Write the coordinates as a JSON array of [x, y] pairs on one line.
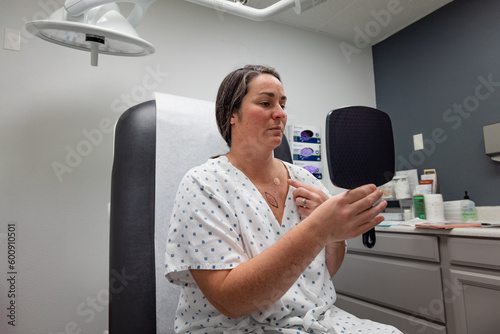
[[483, 232]]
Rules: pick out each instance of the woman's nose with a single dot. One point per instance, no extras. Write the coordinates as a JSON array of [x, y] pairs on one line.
[[279, 112]]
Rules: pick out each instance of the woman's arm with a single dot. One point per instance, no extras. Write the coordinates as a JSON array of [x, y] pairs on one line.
[[315, 197], [259, 282], [335, 252]]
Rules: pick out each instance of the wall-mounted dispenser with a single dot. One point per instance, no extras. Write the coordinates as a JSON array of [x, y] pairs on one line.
[[492, 140]]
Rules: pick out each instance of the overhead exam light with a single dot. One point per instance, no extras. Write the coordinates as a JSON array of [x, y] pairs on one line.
[[96, 26], [236, 7]]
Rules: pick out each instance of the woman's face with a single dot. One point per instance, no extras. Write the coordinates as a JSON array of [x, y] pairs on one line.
[[261, 119]]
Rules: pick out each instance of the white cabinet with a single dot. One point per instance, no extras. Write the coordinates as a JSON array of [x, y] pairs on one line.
[[424, 283], [475, 285]]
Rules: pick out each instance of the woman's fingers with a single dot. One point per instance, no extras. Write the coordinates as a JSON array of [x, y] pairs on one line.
[[297, 184], [351, 213], [307, 198], [373, 212], [360, 193], [363, 197]]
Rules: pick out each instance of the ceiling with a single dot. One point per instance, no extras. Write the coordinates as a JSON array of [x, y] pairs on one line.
[[344, 19]]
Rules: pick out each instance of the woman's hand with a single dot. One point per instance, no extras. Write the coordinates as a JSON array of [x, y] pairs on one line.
[[348, 214], [307, 198]]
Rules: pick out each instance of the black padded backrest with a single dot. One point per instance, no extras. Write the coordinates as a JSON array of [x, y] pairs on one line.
[[132, 290], [283, 152]]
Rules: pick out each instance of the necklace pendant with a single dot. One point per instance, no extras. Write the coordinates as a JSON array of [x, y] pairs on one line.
[[276, 181]]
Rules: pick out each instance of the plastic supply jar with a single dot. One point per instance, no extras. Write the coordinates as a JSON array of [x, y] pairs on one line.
[[401, 187], [434, 209]]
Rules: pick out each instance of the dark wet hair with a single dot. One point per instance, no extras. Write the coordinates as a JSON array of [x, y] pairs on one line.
[[231, 92]]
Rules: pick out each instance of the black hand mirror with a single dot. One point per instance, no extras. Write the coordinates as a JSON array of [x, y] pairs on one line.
[[360, 150]]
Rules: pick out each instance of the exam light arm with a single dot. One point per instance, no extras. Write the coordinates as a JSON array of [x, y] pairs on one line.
[[78, 7], [238, 9]]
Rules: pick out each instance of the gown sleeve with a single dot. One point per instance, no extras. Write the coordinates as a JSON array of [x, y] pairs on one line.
[[204, 229]]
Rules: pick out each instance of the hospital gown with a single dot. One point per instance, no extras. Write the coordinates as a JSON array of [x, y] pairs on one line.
[[220, 220]]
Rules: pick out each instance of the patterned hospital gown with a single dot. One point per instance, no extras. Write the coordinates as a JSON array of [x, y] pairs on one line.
[[220, 220]]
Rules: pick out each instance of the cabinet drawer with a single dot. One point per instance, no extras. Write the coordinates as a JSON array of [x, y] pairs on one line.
[[483, 253], [412, 287], [404, 322], [419, 247]]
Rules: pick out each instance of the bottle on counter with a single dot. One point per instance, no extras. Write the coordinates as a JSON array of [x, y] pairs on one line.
[[468, 209], [407, 214], [418, 201]]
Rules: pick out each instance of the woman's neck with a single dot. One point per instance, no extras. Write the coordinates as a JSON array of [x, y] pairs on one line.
[[257, 167]]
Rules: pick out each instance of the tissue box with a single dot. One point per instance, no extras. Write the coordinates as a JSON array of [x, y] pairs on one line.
[[306, 134], [315, 168], [393, 216], [306, 152], [452, 210]]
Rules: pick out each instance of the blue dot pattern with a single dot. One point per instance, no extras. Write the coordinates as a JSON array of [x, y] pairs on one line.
[[220, 220]]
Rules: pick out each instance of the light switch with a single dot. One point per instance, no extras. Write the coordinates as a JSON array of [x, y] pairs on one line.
[[12, 39], [418, 142]]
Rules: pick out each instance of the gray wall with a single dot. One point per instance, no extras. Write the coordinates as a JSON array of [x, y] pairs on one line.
[[51, 99], [432, 78]]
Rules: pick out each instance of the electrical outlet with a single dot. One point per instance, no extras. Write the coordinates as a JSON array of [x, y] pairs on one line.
[[12, 39], [418, 142]]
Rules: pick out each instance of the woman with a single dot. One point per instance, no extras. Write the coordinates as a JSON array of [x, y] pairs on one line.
[[255, 241]]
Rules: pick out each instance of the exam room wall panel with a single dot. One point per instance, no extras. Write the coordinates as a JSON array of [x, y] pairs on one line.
[[422, 72], [50, 96]]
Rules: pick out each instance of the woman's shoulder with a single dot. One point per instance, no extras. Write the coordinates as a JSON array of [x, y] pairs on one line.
[[213, 164], [217, 167]]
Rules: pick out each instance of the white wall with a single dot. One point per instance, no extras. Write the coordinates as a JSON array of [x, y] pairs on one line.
[[50, 97]]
